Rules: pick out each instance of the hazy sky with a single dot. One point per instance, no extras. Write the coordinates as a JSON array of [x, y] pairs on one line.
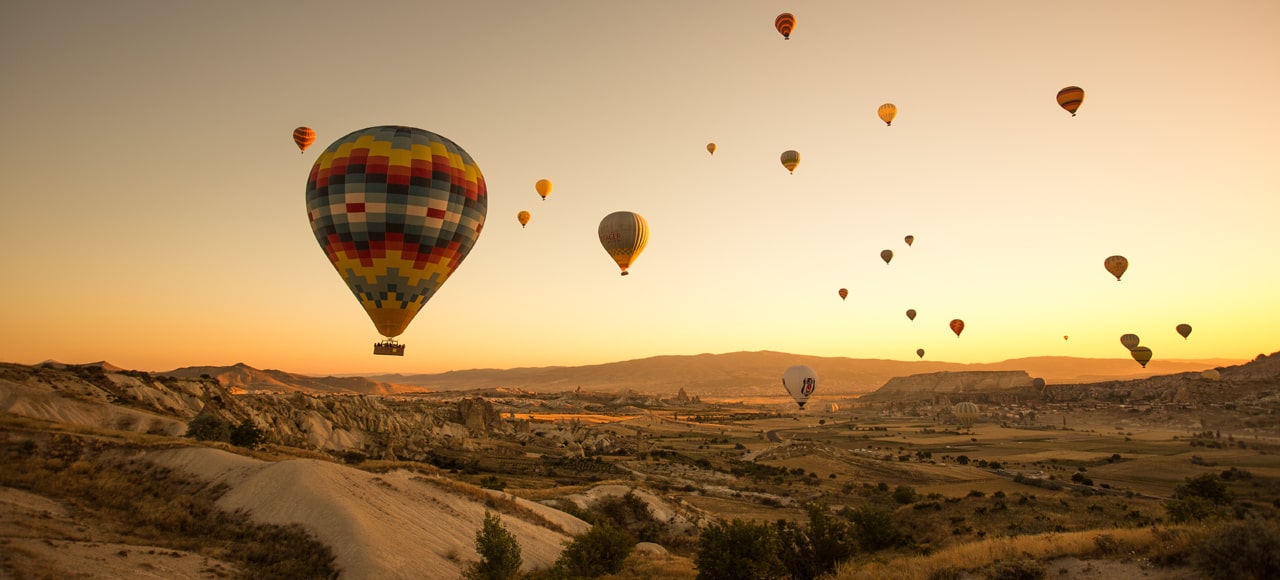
[[154, 216]]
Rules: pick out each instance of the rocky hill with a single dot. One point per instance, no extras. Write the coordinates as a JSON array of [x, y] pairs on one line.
[[927, 386], [242, 378]]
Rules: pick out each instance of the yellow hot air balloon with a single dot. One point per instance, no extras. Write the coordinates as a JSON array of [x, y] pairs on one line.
[[911, 313], [1211, 375], [1116, 265], [957, 326], [886, 255], [785, 23], [544, 188], [909, 240], [790, 159], [844, 293], [1070, 98], [1130, 341], [624, 235], [966, 413], [1141, 354], [1184, 330], [711, 148], [887, 112], [524, 218]]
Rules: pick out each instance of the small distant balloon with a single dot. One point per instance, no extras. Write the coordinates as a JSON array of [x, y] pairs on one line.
[[966, 412], [887, 112], [303, 137], [543, 186], [909, 240], [1211, 375], [790, 159], [1116, 265], [957, 326], [785, 23], [524, 218], [1130, 341], [911, 314], [920, 352], [1064, 337], [624, 235], [1184, 330], [1070, 98], [886, 255], [1141, 354], [711, 148], [844, 293]]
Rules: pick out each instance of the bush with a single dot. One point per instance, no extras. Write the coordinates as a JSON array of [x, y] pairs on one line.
[[904, 494], [600, 551], [246, 434], [874, 529], [208, 427], [1191, 509], [738, 550], [499, 552], [1243, 549], [1017, 570], [1208, 486]]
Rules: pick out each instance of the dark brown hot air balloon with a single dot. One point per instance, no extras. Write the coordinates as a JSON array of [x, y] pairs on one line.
[[1070, 98], [1141, 354], [957, 326], [911, 313], [1116, 265], [886, 255], [844, 293], [1184, 330]]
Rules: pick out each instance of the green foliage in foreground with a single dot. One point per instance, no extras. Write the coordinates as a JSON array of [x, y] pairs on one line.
[[601, 550], [499, 552], [1246, 549]]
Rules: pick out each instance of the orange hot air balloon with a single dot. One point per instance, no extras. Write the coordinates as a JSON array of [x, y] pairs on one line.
[[1141, 354], [711, 148], [920, 352], [785, 23], [304, 137], [909, 240], [790, 159], [887, 112], [911, 313], [1064, 337], [844, 293], [886, 255], [1070, 98], [544, 188], [524, 218], [1184, 330], [1116, 265], [957, 326]]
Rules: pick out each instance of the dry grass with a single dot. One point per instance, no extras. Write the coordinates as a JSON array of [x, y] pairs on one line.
[[642, 567], [496, 500]]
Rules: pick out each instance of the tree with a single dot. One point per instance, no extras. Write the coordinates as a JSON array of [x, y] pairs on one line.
[[499, 552], [1206, 485], [246, 434], [209, 427], [600, 551], [738, 550]]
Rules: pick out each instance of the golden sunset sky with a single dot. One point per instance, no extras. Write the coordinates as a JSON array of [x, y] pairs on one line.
[[154, 216]]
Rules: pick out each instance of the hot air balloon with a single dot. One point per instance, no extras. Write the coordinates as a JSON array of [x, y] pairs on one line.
[[1211, 375], [957, 326], [1184, 330], [524, 218], [966, 413], [1141, 354], [1070, 98], [304, 137], [844, 293], [886, 255], [624, 234], [1130, 341], [800, 381], [396, 209], [920, 352], [544, 188], [1064, 337], [1116, 265], [785, 23], [1038, 383], [887, 112], [711, 148], [909, 240], [911, 313], [790, 159]]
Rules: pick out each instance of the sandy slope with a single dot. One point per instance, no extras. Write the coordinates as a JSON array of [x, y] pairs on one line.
[[391, 525]]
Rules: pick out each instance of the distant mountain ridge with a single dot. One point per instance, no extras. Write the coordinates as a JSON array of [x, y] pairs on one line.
[[242, 378]]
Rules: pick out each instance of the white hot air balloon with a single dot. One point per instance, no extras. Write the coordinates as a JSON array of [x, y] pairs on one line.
[[800, 381]]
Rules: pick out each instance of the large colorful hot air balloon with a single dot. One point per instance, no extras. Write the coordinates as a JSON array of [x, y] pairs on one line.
[[886, 255], [543, 186], [396, 209], [1070, 98], [1184, 330], [800, 381], [911, 313], [909, 240], [624, 234], [711, 148], [304, 137], [790, 159], [920, 352], [957, 326], [887, 112], [844, 293], [785, 23], [966, 413], [1116, 265], [1130, 341], [524, 218], [1141, 354]]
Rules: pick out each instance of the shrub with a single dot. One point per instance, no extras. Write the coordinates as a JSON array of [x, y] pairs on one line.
[[1208, 486], [1244, 549], [600, 551], [499, 552], [246, 434], [874, 529], [904, 494], [738, 550], [1017, 570], [208, 427]]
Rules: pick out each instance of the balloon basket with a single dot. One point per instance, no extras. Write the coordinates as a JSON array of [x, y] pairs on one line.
[[388, 347]]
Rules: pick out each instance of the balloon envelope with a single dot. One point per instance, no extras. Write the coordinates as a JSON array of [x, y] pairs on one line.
[[800, 382], [790, 159], [1141, 354], [624, 235], [886, 255], [887, 112], [911, 313], [1116, 265], [303, 137], [524, 218], [785, 23], [966, 413], [920, 352], [1184, 330], [543, 187], [711, 148], [1130, 341], [396, 210], [957, 326], [1069, 98], [844, 293], [1038, 383], [909, 240]]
